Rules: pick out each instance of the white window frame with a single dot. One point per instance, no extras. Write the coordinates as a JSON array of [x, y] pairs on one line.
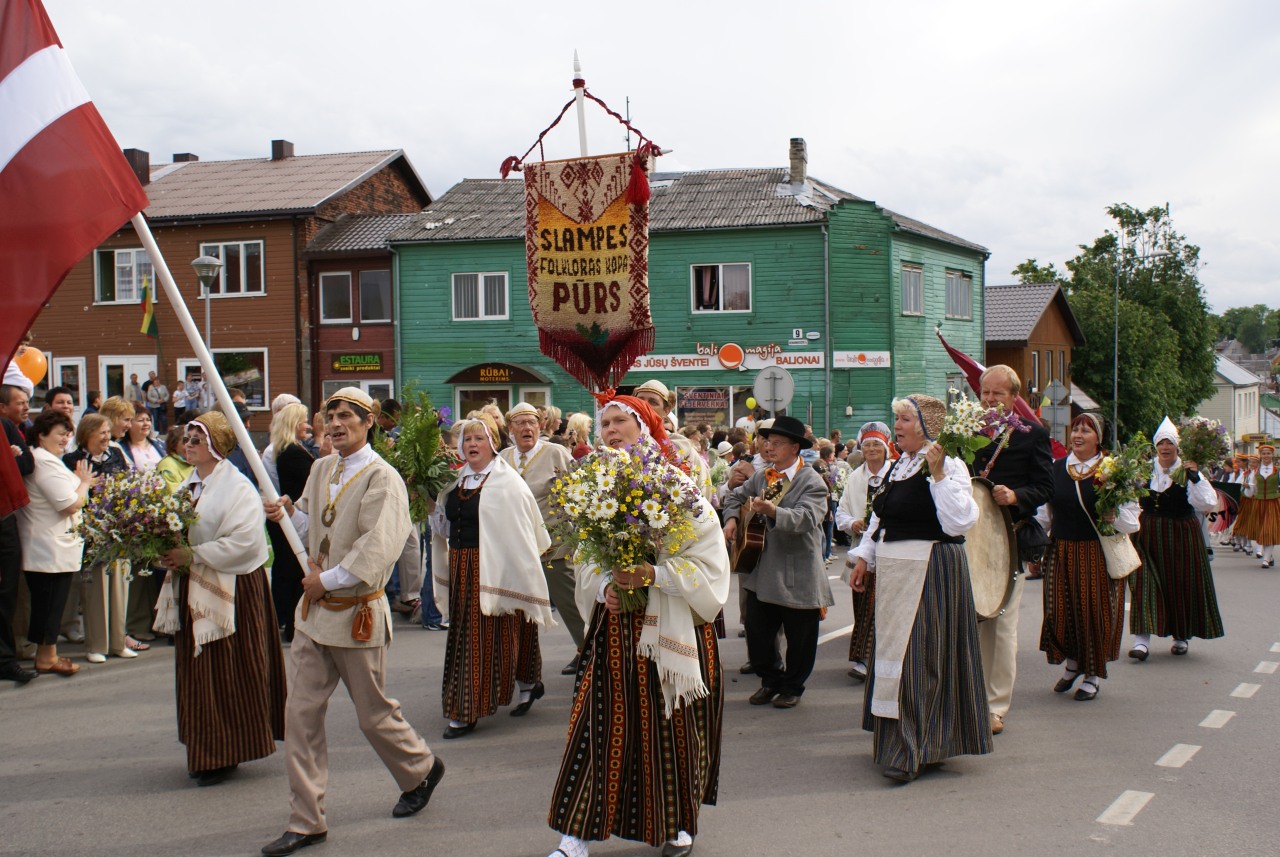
[[214, 248], [350, 306], [56, 365], [480, 282], [390, 298], [959, 295], [543, 391], [140, 364], [693, 285], [97, 276], [362, 383], [459, 388], [917, 269]]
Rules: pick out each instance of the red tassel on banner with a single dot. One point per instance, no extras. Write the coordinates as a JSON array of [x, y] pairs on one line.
[[511, 163], [638, 187]]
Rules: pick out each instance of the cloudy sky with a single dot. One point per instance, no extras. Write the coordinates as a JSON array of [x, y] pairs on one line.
[[1012, 124]]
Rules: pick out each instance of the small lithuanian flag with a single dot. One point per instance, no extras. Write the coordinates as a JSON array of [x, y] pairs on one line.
[[149, 326]]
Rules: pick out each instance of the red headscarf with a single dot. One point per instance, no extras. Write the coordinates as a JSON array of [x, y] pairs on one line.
[[650, 423]]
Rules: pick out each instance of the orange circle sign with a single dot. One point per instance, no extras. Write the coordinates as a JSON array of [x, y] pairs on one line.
[[730, 355]]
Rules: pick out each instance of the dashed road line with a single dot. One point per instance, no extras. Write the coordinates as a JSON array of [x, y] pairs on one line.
[[1217, 719], [1275, 647], [1267, 667], [832, 635], [1178, 755], [1244, 690], [1125, 807]]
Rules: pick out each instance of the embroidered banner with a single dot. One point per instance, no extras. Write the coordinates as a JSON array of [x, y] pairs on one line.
[[587, 247]]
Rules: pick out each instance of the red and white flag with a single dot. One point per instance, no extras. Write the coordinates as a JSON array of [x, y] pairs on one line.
[[64, 184]]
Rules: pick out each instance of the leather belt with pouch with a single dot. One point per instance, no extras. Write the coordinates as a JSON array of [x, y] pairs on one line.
[[362, 623]]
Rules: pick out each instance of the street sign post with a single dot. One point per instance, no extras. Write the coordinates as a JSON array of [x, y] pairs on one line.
[[774, 388]]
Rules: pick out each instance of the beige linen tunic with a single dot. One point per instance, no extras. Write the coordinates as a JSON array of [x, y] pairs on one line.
[[540, 472]]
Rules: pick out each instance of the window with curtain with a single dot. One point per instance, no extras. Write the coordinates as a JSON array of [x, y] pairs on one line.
[[912, 289], [243, 271], [480, 296], [722, 288], [959, 295], [120, 274]]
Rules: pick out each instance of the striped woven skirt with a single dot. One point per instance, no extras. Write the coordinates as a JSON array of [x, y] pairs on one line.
[[1083, 608], [484, 656], [1173, 594], [864, 622], [231, 698], [1264, 522], [1244, 519], [942, 700], [628, 770]]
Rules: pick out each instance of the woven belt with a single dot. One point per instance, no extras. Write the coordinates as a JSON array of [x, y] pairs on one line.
[[362, 623]]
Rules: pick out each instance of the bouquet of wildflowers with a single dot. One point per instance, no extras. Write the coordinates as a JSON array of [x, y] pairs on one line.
[[133, 518], [1203, 441], [1122, 477], [719, 473], [837, 478], [969, 427], [619, 508]]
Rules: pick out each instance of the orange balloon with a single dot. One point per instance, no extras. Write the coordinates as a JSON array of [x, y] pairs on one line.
[[32, 363]]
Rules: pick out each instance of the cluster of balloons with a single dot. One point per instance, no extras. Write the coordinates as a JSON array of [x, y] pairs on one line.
[[32, 363]]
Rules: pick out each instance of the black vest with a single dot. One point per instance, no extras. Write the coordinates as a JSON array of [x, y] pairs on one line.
[[906, 510], [1172, 502], [464, 519], [1070, 523]]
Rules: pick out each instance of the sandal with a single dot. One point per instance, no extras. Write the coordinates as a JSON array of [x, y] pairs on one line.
[[61, 666], [136, 645]]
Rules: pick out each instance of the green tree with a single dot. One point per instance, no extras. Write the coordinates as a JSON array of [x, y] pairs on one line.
[[1166, 358], [1250, 325], [1032, 271]]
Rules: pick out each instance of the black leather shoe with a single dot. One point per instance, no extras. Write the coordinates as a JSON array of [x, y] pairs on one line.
[[900, 775], [291, 842], [458, 731], [1138, 654], [414, 801], [670, 849], [786, 700], [14, 672], [213, 776], [763, 696], [1083, 694], [571, 668], [535, 693], [1064, 683], [747, 669]]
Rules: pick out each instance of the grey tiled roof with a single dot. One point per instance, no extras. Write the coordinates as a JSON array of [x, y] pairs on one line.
[[354, 233], [260, 185], [1013, 311], [1235, 374], [493, 209]]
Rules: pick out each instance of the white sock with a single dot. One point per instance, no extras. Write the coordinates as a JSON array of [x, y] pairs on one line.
[[683, 839], [1071, 667], [1090, 679], [1143, 640], [571, 845], [526, 690]]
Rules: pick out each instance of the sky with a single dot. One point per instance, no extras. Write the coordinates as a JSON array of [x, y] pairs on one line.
[[1010, 124]]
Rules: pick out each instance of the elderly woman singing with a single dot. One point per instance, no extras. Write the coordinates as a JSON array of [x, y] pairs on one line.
[[925, 699]]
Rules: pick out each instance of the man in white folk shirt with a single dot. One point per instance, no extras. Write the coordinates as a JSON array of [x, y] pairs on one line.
[[354, 517], [539, 462]]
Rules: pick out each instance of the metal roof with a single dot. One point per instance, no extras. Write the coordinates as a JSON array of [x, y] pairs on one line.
[[192, 189], [356, 233], [493, 209], [1013, 310], [1235, 374]]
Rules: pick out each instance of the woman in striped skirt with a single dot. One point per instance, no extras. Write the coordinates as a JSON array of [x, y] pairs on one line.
[[1263, 490], [1242, 529], [1173, 594], [1083, 607], [852, 515], [643, 753], [926, 699], [217, 603], [488, 539]]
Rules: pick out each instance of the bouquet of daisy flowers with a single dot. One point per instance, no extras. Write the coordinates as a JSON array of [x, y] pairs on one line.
[[1203, 441], [622, 507], [837, 478], [969, 427], [133, 518], [1122, 477]]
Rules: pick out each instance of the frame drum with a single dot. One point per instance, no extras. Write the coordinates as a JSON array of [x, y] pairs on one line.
[[992, 550]]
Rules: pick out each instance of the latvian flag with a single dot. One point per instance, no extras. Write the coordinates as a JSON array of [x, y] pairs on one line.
[[64, 184]]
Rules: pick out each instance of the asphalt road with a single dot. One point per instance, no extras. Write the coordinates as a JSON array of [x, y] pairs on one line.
[[1176, 756]]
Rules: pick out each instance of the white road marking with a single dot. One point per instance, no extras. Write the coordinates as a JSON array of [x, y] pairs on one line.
[[1275, 647], [833, 577], [1217, 719], [1178, 756], [1245, 690], [839, 632], [1267, 667], [1125, 807]]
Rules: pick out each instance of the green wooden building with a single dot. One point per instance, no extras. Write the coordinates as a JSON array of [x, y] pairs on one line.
[[748, 268]]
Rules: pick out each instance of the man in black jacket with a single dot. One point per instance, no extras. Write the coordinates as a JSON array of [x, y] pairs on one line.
[[1021, 474], [13, 496]]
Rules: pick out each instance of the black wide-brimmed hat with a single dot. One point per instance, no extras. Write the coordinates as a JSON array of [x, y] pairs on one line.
[[788, 427]]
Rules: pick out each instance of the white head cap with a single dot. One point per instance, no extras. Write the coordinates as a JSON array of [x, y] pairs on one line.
[[1167, 431]]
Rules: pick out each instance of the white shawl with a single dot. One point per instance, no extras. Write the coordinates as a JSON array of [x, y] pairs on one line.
[[227, 539], [512, 541]]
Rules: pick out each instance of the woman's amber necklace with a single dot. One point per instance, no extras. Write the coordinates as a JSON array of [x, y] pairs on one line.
[[1079, 472], [467, 494]]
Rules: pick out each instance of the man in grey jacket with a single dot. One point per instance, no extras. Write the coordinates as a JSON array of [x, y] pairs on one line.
[[788, 587]]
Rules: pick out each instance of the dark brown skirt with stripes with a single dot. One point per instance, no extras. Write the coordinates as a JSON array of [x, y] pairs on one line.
[[484, 656], [864, 623], [1173, 592], [1083, 608], [628, 771], [1263, 525], [231, 697], [942, 699]]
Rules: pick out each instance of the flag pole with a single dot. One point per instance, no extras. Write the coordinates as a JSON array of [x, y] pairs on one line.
[[212, 377], [579, 85]]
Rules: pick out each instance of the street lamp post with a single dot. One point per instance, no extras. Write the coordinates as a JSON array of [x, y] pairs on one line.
[[207, 268], [1115, 354]]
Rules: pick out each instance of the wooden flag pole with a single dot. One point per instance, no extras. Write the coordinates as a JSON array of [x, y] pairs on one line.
[[212, 377], [579, 85]]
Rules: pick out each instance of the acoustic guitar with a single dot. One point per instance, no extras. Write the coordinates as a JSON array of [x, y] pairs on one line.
[[748, 544]]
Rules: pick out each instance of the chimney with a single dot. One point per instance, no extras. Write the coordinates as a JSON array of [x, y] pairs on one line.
[[281, 149], [799, 161], [141, 163], [184, 157]]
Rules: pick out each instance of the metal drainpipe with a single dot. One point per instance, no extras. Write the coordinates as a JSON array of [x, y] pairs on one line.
[[395, 308], [826, 297]]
